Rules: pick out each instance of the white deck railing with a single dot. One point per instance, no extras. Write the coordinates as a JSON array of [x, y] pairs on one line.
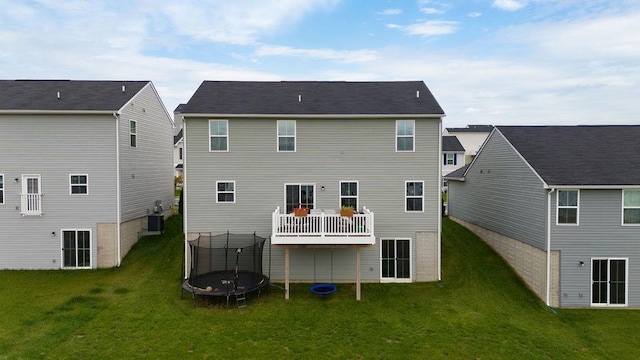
[[323, 225], [31, 204]]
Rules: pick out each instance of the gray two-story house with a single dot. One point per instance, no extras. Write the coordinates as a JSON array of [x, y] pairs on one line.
[[562, 205], [83, 164], [255, 151]]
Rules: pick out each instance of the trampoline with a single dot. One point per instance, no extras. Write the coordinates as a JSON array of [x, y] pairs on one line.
[[225, 265]]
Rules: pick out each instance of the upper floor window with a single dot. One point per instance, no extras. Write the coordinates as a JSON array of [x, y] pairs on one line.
[[568, 201], [450, 159], [133, 133], [286, 135], [349, 194], [405, 133], [1, 189], [226, 191], [218, 135], [631, 207], [414, 196], [78, 184]]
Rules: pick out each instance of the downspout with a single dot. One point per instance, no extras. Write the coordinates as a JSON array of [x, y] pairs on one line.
[[118, 198], [549, 246], [438, 189], [184, 197]]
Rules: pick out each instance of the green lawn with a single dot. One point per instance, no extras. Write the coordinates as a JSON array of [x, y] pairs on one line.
[[480, 310]]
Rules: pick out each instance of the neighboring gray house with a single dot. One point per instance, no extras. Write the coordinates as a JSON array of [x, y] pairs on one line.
[[452, 156], [562, 205], [83, 164], [256, 150]]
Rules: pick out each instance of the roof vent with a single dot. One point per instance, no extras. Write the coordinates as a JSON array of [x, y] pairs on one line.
[[58, 94], [299, 98], [417, 93], [124, 88]]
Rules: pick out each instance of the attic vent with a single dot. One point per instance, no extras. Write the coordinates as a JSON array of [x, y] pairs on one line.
[[124, 88], [58, 94], [418, 93]]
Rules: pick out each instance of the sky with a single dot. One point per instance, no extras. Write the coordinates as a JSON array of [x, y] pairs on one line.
[[500, 62]]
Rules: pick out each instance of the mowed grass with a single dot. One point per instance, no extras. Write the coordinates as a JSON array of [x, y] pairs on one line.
[[480, 310]]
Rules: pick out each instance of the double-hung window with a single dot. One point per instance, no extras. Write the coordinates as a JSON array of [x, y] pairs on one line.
[[568, 201], [414, 196], [1, 189], [218, 135], [225, 191], [133, 133], [78, 184], [631, 207], [450, 159], [349, 194], [405, 135], [286, 135]]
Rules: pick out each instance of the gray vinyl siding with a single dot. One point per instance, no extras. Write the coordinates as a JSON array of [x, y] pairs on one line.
[[599, 234], [327, 151], [146, 170], [54, 147], [501, 193]]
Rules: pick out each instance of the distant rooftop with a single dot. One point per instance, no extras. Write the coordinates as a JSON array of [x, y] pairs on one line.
[[472, 128], [451, 143]]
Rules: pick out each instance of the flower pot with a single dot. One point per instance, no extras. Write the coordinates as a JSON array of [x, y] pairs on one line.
[[347, 213], [300, 212]]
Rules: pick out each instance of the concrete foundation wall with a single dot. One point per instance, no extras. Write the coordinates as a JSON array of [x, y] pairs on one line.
[[529, 262], [427, 256]]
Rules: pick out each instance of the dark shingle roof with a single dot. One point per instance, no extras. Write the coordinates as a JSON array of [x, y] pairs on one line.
[[177, 137], [42, 95], [472, 128], [316, 97], [451, 144], [457, 174], [580, 155]]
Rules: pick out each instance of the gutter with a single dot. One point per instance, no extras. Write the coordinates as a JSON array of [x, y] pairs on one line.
[[184, 198], [438, 189], [118, 195], [315, 116], [551, 191]]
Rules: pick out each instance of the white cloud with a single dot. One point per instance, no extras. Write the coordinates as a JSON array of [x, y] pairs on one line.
[[393, 26], [344, 56], [390, 12], [510, 5], [431, 28], [474, 14], [431, 11]]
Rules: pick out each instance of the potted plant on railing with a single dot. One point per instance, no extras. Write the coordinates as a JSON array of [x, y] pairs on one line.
[[346, 211], [300, 211]]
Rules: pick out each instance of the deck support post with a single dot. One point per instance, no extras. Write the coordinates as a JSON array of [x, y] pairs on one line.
[[286, 272], [358, 273]]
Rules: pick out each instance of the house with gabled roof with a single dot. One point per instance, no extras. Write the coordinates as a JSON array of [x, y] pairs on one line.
[[256, 151], [453, 156], [84, 164], [562, 205], [471, 137]]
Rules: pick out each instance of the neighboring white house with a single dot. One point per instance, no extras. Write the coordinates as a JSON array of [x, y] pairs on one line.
[[178, 143], [471, 137], [453, 156], [254, 151], [83, 165]]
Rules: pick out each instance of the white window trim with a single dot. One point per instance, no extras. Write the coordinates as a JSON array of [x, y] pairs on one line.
[[627, 207], [294, 136], [626, 288], [71, 185], [407, 196], [452, 157], [577, 207], [234, 192], [131, 133], [406, 136], [284, 193], [396, 279], [357, 197], [219, 136], [91, 259], [3, 189]]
